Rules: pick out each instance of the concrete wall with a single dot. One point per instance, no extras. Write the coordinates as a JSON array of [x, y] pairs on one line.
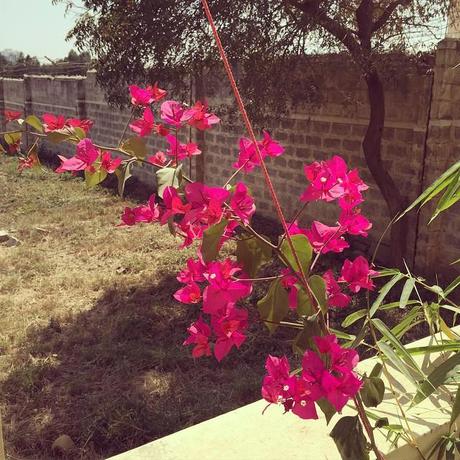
[[421, 135]]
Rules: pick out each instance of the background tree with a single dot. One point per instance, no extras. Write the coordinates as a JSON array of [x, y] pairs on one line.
[[147, 40]]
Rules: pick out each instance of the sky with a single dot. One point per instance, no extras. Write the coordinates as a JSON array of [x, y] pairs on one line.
[[36, 27]]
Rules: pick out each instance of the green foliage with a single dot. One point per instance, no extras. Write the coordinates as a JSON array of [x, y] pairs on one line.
[[274, 306], [168, 177], [94, 178], [211, 240], [303, 250], [123, 173], [350, 440], [135, 147], [35, 122], [372, 391], [252, 253]]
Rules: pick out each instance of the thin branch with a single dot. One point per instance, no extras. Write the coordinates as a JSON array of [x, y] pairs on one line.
[[387, 12]]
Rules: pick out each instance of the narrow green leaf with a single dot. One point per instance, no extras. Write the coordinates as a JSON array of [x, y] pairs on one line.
[[353, 317], [12, 138], [455, 408], [168, 177], [252, 253], [435, 188], [406, 292], [94, 178], [35, 122], [452, 286], [211, 240], [445, 346], [274, 307], [383, 292], [135, 147], [397, 362], [400, 349], [303, 250], [376, 370], [342, 335], [437, 377], [350, 440], [407, 323]]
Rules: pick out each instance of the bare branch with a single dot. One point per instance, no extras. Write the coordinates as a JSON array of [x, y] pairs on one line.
[[382, 20]]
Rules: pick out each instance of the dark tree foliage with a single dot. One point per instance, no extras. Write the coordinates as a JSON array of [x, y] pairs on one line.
[[169, 40]]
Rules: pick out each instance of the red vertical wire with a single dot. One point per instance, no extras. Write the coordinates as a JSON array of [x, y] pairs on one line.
[[252, 136]]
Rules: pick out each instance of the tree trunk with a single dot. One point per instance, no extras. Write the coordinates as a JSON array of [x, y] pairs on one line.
[[372, 147]]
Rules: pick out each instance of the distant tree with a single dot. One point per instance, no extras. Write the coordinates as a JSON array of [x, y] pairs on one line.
[[73, 56], [3, 60], [167, 39]]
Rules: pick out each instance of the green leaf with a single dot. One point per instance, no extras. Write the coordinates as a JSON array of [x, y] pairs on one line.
[[304, 307], [406, 292], [12, 138], [455, 408], [135, 147], [407, 323], [437, 377], [452, 286], [397, 362], [35, 122], [79, 133], [350, 440], [327, 409], [383, 292], [445, 346], [353, 317], [372, 391], [123, 173], [2, 150], [400, 349], [381, 422], [274, 306], [304, 339], [94, 178], [377, 370], [341, 334], [211, 239], [168, 177], [252, 253], [318, 287], [303, 250], [450, 197], [59, 135], [435, 188]]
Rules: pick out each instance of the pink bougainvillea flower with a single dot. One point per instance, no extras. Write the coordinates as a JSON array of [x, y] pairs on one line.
[[357, 274], [52, 122], [193, 272], [11, 115], [140, 96], [247, 156], [242, 204], [289, 282], [84, 124], [173, 204], [156, 92], [294, 229], [108, 163], [269, 147], [173, 113], [146, 213], [159, 159], [336, 380], [190, 293], [326, 239], [27, 163], [199, 195], [198, 117], [86, 155], [143, 126], [199, 336], [229, 329], [335, 296], [179, 150], [160, 129], [274, 381], [354, 223]]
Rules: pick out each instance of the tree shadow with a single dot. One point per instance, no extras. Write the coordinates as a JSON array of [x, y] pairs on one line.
[[117, 376]]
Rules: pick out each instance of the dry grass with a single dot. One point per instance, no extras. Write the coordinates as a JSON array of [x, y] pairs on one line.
[[90, 337]]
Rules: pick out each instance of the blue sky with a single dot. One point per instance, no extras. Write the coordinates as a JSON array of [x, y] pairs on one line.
[[36, 27]]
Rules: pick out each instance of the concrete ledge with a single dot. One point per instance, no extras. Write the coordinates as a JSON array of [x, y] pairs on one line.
[[248, 433]]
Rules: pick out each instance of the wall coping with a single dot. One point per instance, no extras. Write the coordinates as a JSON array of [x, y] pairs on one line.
[[246, 433]]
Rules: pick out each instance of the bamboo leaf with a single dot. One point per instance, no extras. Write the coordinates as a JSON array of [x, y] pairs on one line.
[[406, 292], [383, 292]]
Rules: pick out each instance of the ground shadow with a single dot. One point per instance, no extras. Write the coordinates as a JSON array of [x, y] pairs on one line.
[[117, 376]]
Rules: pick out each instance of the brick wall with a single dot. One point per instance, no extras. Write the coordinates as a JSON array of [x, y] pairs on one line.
[[416, 146]]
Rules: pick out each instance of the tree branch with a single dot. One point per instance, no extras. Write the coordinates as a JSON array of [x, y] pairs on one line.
[[382, 20]]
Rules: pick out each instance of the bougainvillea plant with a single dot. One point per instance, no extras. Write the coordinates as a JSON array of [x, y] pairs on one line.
[[299, 296]]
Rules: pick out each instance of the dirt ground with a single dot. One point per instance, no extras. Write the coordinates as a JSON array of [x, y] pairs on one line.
[[90, 336]]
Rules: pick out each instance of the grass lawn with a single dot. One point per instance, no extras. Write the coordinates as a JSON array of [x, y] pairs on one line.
[[90, 336]]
